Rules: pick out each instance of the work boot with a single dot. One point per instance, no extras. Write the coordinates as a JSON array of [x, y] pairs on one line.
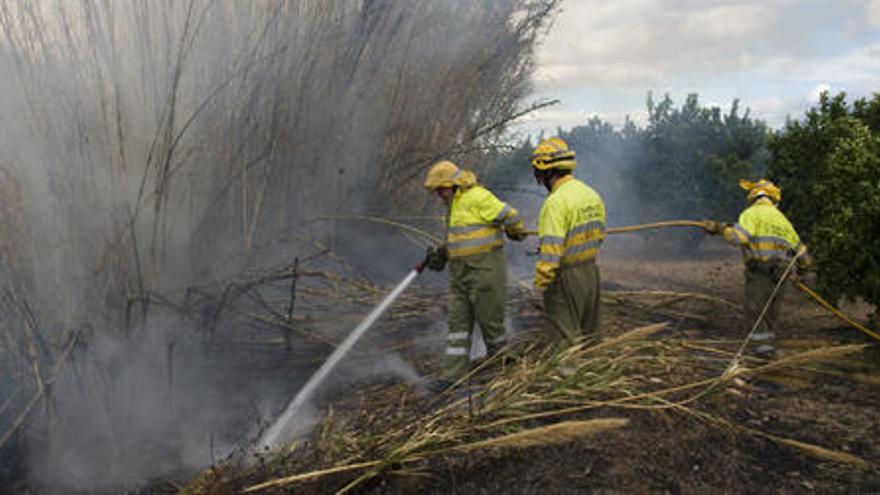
[[766, 351]]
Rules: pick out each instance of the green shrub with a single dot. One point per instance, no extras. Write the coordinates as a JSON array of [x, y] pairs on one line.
[[828, 167]]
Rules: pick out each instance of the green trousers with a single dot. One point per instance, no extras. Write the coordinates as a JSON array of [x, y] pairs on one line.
[[761, 279], [571, 302], [477, 290]]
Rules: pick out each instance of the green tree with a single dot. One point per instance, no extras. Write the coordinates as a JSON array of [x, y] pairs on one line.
[[692, 158], [828, 166]]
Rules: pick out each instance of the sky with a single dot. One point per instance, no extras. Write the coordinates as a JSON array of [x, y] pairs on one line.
[[601, 58]]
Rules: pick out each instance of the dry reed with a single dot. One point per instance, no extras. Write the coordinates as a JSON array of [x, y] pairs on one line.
[[554, 434]]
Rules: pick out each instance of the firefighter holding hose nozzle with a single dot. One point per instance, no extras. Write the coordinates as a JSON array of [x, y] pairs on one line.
[[477, 221], [768, 242]]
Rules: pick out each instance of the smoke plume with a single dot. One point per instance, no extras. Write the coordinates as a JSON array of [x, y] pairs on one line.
[[161, 161]]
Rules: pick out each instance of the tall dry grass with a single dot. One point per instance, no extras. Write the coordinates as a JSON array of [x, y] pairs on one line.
[[154, 146]]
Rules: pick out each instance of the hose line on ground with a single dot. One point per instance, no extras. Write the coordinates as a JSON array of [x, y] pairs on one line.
[[838, 313]]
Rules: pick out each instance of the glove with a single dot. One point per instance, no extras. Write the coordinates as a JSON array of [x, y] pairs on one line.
[[516, 232], [437, 258], [713, 228], [804, 261]]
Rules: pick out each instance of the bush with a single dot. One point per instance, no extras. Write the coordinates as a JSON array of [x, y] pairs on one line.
[[828, 167]]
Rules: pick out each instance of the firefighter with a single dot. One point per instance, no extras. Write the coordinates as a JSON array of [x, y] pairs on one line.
[[768, 242], [571, 228], [478, 269]]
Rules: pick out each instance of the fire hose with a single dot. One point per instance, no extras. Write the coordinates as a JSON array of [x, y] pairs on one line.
[[838, 313], [810, 293], [646, 226]]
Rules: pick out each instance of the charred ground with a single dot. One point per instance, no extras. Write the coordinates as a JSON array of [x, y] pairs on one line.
[[809, 425]]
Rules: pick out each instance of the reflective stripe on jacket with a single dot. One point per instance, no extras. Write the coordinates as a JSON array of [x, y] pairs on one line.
[[571, 228], [476, 219], [764, 233]]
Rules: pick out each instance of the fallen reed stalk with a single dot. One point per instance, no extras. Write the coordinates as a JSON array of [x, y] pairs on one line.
[[804, 447], [817, 451], [309, 476], [554, 434]]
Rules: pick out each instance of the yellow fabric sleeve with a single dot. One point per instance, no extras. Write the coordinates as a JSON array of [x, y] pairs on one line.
[[552, 229]]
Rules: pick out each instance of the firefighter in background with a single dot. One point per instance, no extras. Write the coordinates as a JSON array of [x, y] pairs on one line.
[[571, 228], [477, 220], [768, 242]]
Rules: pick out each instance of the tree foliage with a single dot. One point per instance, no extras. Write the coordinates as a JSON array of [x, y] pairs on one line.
[[828, 166], [693, 156]]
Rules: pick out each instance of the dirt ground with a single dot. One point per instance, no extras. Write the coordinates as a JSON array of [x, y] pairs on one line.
[[833, 406], [670, 452]]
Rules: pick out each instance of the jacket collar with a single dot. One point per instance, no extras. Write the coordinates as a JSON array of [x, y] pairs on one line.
[[764, 201], [560, 181]]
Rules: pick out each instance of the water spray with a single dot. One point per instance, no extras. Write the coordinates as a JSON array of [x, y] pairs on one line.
[[276, 431]]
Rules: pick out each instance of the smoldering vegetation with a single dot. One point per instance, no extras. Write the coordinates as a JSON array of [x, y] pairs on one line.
[[162, 166]]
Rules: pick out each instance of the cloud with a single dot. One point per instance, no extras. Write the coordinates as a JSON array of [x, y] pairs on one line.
[[872, 9], [817, 91], [776, 110], [601, 58], [854, 70], [642, 41]]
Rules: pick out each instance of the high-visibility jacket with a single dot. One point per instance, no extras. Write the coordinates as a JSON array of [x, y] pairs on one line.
[[571, 227], [476, 220], [764, 233]]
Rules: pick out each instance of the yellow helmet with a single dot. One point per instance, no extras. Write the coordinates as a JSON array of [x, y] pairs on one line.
[[553, 153], [447, 174], [761, 188]]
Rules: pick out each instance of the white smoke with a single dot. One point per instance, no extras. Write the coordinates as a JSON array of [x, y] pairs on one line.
[[155, 147]]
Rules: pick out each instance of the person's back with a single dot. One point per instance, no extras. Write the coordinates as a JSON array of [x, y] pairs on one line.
[[571, 228], [768, 242], [768, 235], [476, 219]]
